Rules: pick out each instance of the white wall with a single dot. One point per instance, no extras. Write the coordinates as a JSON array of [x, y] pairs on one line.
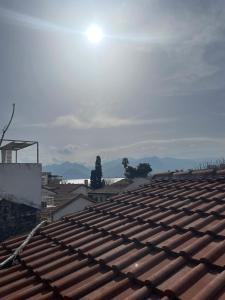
[[74, 206], [21, 182]]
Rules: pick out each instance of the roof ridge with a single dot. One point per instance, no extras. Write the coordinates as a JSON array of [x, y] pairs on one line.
[[191, 173]]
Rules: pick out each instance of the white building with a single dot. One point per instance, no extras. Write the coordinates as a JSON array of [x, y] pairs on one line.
[[73, 205], [56, 196], [20, 182], [20, 191]]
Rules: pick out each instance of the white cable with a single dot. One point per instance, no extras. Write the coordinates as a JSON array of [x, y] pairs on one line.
[[20, 248]]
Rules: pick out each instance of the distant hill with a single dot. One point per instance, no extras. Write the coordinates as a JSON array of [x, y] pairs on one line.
[[68, 170], [114, 168]]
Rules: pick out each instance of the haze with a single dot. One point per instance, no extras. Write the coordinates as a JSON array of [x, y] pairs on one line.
[[154, 85]]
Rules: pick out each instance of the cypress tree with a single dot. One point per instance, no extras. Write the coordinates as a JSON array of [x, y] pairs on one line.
[[96, 175]]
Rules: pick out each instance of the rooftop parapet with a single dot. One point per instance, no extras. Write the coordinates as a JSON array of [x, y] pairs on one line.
[[13, 146]]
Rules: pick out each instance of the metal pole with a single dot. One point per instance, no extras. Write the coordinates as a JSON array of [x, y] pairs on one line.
[[37, 153], [16, 156]]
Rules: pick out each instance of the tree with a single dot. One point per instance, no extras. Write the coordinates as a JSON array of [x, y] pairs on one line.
[[130, 172], [96, 175], [98, 170], [142, 169], [93, 179], [5, 128]]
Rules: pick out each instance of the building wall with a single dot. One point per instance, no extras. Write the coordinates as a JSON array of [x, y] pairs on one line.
[[77, 205], [16, 219], [21, 183], [48, 178], [47, 196], [44, 178]]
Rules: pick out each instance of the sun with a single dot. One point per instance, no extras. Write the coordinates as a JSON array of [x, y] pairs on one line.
[[94, 34]]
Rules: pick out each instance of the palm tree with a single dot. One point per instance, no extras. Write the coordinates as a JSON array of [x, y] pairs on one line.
[[125, 162]]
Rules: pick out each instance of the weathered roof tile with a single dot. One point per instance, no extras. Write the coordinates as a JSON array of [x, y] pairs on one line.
[[163, 241]]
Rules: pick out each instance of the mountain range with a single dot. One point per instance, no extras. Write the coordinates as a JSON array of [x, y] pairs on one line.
[[114, 168]]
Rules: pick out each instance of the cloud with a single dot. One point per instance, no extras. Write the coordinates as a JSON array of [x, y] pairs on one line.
[[193, 48], [100, 121], [183, 147], [190, 140], [106, 95], [192, 147], [69, 149]]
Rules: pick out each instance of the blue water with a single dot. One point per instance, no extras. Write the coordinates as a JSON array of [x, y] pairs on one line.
[[81, 181]]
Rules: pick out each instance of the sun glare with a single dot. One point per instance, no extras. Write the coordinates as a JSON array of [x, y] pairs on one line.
[[94, 34]]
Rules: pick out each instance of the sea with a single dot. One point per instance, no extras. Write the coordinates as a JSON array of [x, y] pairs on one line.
[[108, 181]]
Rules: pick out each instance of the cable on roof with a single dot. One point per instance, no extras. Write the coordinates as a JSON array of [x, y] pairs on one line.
[[12, 259]]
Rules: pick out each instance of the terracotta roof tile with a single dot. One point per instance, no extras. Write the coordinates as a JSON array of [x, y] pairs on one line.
[[165, 240]]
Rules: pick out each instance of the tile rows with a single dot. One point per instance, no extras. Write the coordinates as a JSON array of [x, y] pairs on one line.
[[51, 271], [192, 245], [148, 244]]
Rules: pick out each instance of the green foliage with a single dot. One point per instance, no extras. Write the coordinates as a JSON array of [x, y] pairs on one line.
[[96, 175], [142, 169], [130, 172], [93, 179]]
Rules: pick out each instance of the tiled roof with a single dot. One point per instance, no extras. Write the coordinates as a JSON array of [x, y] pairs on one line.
[[63, 188], [15, 201], [166, 240], [124, 181], [191, 173], [109, 189], [121, 186], [74, 198]]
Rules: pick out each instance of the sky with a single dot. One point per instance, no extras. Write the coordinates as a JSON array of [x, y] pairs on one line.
[[155, 84]]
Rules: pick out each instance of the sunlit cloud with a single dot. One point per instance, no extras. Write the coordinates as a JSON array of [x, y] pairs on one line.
[[100, 121], [190, 140], [189, 147], [144, 148]]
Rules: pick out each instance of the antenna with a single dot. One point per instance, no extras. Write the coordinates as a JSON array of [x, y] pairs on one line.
[[5, 128]]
